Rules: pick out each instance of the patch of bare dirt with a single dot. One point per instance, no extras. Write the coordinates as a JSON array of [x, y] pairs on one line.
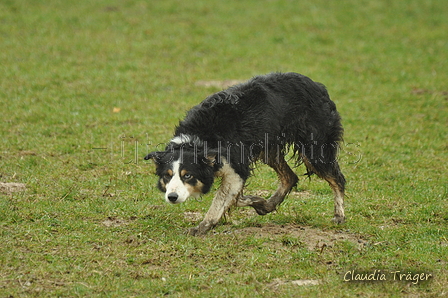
[[115, 222], [312, 238], [8, 188], [300, 282], [420, 91]]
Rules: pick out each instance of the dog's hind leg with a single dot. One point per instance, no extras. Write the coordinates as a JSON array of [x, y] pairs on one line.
[[226, 196], [337, 183], [288, 179], [338, 190]]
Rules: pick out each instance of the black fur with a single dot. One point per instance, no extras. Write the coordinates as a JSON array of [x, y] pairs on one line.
[[287, 109], [260, 119]]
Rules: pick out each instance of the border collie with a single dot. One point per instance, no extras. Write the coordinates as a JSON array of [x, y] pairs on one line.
[[259, 120]]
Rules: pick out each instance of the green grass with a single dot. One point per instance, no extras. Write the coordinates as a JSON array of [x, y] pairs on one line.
[[91, 221]]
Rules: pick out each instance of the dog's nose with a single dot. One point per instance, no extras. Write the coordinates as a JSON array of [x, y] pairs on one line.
[[172, 196]]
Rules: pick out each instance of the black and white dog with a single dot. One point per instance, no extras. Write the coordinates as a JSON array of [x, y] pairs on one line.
[[259, 120]]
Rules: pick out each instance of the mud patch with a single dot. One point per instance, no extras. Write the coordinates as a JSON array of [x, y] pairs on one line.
[[8, 188], [301, 282], [114, 222], [312, 238]]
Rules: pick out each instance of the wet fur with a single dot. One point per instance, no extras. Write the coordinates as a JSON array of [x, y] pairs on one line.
[[259, 120]]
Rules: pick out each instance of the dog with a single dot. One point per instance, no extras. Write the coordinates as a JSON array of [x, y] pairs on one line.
[[259, 120]]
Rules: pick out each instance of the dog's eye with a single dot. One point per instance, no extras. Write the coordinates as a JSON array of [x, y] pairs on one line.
[[167, 177], [188, 176]]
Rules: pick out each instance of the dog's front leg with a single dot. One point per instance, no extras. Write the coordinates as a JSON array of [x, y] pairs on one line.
[[226, 196]]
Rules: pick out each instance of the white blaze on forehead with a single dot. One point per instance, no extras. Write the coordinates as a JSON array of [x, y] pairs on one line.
[[176, 185], [181, 139]]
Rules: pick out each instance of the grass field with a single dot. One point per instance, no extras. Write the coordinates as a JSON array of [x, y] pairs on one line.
[[87, 88]]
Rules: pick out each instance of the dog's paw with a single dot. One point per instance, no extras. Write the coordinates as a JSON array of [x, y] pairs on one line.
[[195, 232], [258, 203], [201, 229], [338, 220]]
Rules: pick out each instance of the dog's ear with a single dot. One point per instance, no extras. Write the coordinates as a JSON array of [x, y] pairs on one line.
[[155, 156], [210, 159]]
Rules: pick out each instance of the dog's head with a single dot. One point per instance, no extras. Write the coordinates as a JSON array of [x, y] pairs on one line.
[[183, 171]]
